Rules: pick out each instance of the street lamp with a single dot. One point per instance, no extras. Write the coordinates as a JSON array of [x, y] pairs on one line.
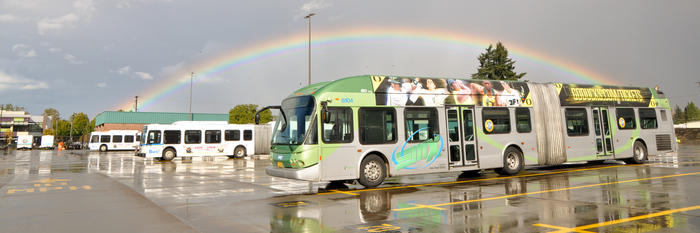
[[309, 18]]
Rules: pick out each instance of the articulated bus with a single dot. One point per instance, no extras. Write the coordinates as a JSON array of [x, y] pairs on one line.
[[368, 128], [197, 138], [114, 140]]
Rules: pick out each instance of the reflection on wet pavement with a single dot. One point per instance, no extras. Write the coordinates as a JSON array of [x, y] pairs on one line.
[[218, 194]]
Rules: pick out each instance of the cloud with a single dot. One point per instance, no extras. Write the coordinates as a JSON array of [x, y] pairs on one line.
[[24, 51], [144, 75], [55, 50], [9, 18], [47, 24], [102, 84], [313, 5], [10, 82], [72, 59], [83, 11], [134, 3], [124, 70]]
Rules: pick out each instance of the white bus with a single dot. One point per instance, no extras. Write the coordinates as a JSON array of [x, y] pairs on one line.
[[114, 140], [197, 138]]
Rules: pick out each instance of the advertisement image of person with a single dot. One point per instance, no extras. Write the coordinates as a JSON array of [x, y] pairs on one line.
[[461, 93], [509, 97], [395, 94], [488, 94], [433, 95]]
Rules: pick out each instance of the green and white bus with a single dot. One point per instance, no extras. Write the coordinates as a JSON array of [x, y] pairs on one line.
[[367, 128]]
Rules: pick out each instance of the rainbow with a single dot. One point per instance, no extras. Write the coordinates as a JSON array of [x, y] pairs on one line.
[[298, 43]]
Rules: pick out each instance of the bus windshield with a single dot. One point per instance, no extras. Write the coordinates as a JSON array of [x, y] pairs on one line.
[[298, 112]]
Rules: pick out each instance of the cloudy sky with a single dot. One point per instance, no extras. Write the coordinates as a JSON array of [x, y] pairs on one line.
[[91, 56]]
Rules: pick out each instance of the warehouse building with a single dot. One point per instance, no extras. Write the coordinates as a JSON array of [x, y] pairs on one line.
[[115, 120]]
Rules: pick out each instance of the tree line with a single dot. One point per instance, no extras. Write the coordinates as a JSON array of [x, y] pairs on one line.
[[687, 114], [76, 128]]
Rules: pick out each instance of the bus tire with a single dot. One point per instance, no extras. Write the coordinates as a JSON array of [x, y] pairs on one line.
[[372, 171], [103, 148], [639, 154], [512, 162], [168, 154], [239, 152]]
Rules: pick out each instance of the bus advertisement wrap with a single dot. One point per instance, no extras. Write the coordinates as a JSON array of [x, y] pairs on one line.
[[415, 91], [578, 95]]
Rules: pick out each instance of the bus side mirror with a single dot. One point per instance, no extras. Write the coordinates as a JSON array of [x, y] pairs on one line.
[[325, 114], [257, 119]]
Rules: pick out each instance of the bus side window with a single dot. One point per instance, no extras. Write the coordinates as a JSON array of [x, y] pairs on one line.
[[153, 137], [627, 116], [105, 138], [212, 136], [647, 118], [377, 125], [129, 138], [247, 135], [576, 122], [171, 136], [339, 128], [95, 139], [193, 136], [421, 124], [232, 135], [499, 120], [117, 138], [522, 120]]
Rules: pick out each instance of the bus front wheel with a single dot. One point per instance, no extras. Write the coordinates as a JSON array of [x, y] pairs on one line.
[[103, 148], [372, 171], [512, 162], [640, 154], [168, 154]]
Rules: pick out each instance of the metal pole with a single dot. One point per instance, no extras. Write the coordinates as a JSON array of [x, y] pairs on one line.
[[136, 105], [309, 18], [191, 81], [70, 134]]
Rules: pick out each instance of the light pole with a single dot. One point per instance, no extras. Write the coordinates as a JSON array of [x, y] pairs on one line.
[[136, 105], [191, 81], [309, 18]]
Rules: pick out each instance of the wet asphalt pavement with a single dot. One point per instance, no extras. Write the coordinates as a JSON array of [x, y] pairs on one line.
[[82, 191]]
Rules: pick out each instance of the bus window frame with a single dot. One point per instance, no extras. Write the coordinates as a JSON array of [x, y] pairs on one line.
[[235, 133], [634, 119], [179, 137], [529, 120], [206, 138], [585, 118], [129, 136], [360, 121], [105, 136], [114, 138], [483, 120], [407, 135], [352, 126], [648, 110], [195, 130]]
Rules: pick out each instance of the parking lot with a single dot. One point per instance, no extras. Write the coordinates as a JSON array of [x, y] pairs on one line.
[[83, 191]]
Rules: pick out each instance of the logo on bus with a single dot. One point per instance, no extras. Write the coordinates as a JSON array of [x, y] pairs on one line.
[[621, 121], [346, 100], [417, 156], [488, 125]]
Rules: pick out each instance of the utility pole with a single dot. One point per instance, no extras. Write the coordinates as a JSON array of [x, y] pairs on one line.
[[191, 81], [70, 134], [309, 18], [136, 105], [2, 109]]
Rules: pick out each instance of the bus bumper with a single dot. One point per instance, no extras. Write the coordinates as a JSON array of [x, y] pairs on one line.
[[309, 173]]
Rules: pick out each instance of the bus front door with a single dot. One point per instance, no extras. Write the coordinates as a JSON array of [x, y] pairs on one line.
[[461, 143], [603, 136]]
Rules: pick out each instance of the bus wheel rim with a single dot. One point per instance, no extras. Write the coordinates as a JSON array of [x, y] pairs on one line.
[[372, 171], [639, 153], [239, 152], [512, 161]]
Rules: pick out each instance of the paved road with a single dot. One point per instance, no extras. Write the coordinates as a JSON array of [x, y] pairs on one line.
[[80, 191]]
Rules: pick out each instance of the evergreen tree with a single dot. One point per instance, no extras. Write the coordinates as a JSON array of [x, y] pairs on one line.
[[678, 115], [495, 64], [692, 113]]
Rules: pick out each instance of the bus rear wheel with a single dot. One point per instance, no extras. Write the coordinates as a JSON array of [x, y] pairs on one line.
[[103, 148], [640, 154], [372, 171], [512, 162], [239, 152], [168, 154]]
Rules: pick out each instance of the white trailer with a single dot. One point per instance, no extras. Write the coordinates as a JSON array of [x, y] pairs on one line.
[[46, 142], [24, 141]]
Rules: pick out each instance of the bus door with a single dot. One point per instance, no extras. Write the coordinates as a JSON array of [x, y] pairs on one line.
[[462, 142], [603, 135]]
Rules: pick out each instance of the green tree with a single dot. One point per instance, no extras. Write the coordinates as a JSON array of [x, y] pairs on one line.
[[63, 130], [678, 115], [52, 115], [10, 107], [245, 114], [81, 124], [692, 113], [495, 64]]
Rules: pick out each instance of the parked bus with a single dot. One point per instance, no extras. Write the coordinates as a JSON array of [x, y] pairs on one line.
[[367, 128], [114, 140], [197, 138]]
